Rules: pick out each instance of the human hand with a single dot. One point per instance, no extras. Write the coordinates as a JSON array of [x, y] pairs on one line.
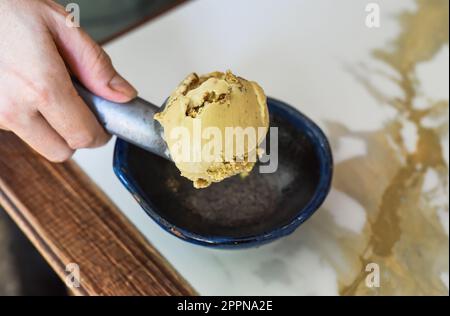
[[37, 99]]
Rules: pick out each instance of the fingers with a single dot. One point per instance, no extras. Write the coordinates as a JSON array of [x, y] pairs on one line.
[[69, 123], [88, 61], [37, 99], [39, 135], [3, 128], [69, 116]]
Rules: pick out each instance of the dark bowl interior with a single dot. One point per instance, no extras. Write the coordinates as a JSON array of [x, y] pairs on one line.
[[253, 209]]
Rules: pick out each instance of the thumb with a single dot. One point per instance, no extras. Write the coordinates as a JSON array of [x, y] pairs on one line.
[[89, 62]]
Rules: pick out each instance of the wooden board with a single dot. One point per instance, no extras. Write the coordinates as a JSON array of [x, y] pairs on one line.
[[70, 220]]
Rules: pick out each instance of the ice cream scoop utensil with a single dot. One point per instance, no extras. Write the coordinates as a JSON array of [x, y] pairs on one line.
[[132, 121]]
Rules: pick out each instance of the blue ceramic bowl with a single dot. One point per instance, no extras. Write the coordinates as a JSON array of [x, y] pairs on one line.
[[237, 212]]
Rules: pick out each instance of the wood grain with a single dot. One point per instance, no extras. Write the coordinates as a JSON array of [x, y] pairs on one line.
[[69, 219], [143, 21]]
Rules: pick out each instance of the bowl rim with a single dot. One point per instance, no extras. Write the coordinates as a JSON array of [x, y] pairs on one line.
[[323, 151]]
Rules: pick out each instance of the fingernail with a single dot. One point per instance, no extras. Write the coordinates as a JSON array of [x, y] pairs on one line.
[[119, 84]]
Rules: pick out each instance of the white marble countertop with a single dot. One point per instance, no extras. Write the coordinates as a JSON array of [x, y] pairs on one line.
[[380, 94]]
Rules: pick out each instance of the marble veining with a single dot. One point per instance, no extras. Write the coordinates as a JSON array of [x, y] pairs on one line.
[[404, 232], [380, 96]]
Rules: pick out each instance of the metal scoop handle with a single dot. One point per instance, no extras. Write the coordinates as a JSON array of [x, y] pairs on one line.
[[132, 121]]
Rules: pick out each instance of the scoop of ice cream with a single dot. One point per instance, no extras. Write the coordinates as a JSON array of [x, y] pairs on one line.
[[213, 125]]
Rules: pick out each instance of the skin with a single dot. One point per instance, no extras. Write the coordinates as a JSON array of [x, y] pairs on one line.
[[38, 53]]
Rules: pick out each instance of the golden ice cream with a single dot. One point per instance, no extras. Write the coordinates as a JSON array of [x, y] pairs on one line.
[[209, 109]]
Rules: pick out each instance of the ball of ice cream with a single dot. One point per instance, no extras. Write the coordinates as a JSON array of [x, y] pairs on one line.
[[213, 125]]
